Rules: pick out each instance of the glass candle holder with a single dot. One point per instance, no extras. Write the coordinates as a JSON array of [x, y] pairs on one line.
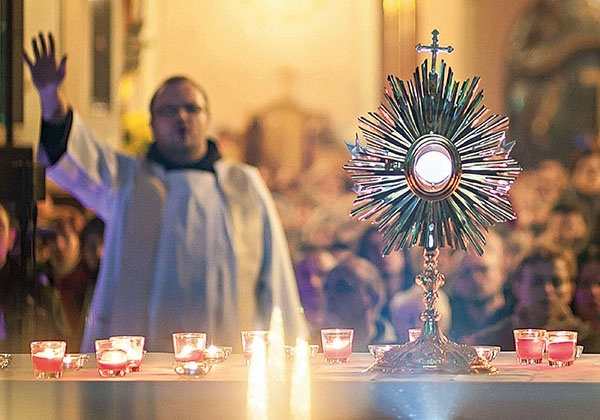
[[5, 359], [216, 354], [111, 360], [530, 345], [74, 361], [251, 339], [134, 346], [561, 348], [47, 358], [578, 351], [488, 353], [189, 347], [337, 344], [310, 351], [192, 369]]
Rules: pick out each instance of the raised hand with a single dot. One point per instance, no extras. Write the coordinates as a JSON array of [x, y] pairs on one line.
[[44, 71], [47, 76]]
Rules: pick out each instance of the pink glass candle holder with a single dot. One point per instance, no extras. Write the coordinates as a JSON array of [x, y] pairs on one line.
[[47, 358], [530, 345], [337, 344], [189, 347], [111, 360], [252, 339], [134, 346], [561, 348]]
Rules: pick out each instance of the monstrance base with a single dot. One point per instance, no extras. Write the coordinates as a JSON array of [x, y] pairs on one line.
[[432, 354]]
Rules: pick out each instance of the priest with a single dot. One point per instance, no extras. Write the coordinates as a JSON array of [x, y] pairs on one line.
[[193, 241]]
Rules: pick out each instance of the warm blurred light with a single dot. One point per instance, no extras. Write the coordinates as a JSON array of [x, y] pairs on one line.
[[287, 11], [257, 382], [394, 7], [300, 392]]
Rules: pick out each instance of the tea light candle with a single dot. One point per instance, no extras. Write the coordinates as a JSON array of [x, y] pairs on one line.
[[134, 346], [68, 362], [189, 354], [337, 344], [113, 360], [338, 348], [47, 360], [214, 354], [561, 347], [74, 361]]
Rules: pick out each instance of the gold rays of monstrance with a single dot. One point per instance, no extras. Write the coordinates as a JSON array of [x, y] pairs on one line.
[[435, 172]]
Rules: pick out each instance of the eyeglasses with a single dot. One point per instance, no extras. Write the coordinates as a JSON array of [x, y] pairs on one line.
[[172, 110]]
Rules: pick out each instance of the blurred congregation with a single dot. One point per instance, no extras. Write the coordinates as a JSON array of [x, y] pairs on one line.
[[540, 270]]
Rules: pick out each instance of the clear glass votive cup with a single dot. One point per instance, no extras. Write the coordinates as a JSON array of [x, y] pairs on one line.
[[309, 351], [578, 351], [561, 348], [75, 361], [489, 353], [414, 334], [251, 340], [530, 345], [189, 351], [134, 346], [216, 354], [5, 360], [47, 358], [189, 347], [111, 360], [188, 370], [337, 344]]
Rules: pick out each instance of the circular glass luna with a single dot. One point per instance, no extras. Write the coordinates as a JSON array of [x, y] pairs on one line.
[[433, 167]]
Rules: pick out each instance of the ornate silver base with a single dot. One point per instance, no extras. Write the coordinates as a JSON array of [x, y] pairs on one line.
[[432, 353]]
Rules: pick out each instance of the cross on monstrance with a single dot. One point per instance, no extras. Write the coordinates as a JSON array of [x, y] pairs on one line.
[[434, 48]]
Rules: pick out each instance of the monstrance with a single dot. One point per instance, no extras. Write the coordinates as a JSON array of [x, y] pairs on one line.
[[435, 172]]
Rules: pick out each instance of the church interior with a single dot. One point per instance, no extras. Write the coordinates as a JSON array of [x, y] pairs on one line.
[[287, 82]]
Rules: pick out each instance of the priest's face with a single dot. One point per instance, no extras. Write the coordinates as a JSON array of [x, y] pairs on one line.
[[180, 122]]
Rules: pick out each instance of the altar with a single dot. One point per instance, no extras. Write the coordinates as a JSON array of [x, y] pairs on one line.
[[336, 392]]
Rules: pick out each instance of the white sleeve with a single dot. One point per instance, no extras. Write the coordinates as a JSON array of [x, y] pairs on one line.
[[91, 170]]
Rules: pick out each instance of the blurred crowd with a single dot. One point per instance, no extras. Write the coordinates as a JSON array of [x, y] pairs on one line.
[[47, 296], [541, 270]]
